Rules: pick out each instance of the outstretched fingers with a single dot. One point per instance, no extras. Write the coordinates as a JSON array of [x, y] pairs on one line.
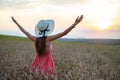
[[78, 19], [81, 17], [13, 18]]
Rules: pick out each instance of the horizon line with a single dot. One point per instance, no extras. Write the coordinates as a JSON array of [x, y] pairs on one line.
[[59, 38]]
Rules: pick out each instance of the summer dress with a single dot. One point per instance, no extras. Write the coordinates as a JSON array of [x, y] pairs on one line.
[[44, 64]]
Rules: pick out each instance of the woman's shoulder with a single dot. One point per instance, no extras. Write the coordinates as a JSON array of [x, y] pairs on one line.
[[48, 39], [51, 38]]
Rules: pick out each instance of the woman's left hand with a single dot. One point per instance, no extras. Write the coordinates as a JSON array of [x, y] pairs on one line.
[[13, 19]]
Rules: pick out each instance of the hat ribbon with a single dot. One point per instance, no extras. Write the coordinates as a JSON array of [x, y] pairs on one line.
[[42, 32]]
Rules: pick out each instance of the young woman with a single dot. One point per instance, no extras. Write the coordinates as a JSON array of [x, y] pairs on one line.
[[43, 61]]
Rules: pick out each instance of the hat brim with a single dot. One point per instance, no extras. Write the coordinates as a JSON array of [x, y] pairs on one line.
[[50, 28]]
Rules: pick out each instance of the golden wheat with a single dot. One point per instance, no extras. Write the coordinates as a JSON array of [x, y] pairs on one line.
[[74, 61]]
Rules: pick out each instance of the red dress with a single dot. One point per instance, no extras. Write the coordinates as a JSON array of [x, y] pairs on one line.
[[43, 63]]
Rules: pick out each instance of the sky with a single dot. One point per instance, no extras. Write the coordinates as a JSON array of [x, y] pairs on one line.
[[101, 17]]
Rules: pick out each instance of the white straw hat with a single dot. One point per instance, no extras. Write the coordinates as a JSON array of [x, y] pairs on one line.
[[44, 28]]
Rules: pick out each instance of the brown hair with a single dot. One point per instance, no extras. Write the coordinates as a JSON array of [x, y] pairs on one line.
[[40, 45]]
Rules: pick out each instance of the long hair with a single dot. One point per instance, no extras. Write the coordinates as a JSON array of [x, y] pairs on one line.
[[40, 45]]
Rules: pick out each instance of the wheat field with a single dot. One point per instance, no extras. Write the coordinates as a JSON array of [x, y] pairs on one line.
[[73, 60]]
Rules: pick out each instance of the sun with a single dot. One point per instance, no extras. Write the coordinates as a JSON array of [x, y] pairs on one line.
[[101, 16], [103, 25]]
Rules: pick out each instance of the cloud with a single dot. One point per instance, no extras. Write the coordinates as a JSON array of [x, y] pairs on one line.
[[32, 3], [67, 2], [16, 3]]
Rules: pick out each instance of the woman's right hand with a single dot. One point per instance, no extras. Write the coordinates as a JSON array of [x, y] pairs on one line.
[[78, 20]]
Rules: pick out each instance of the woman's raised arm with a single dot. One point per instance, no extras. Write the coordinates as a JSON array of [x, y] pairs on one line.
[[53, 37], [31, 37]]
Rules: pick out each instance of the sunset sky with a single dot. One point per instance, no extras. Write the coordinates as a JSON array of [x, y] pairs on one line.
[[101, 17]]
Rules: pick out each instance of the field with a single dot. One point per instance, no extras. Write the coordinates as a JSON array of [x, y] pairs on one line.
[[73, 60]]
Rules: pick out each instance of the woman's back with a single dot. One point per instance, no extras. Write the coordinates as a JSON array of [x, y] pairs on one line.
[[44, 62]]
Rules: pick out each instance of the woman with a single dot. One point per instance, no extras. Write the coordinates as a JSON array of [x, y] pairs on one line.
[[43, 62]]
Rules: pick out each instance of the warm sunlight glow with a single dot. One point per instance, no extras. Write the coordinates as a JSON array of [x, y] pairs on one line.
[[98, 11], [103, 25], [101, 17]]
